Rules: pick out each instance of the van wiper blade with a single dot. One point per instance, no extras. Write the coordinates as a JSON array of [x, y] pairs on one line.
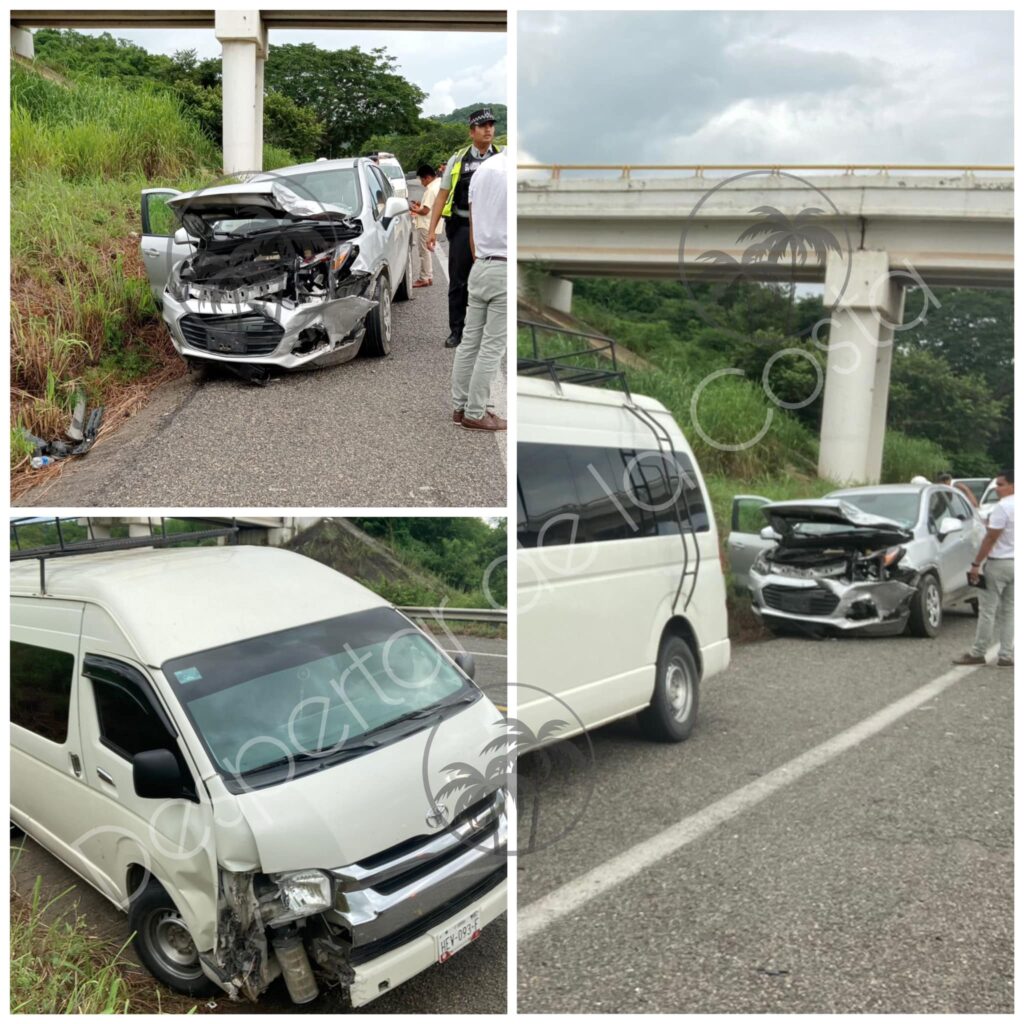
[[329, 755], [433, 711]]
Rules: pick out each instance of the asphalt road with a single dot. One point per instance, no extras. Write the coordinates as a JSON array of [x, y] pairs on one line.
[[373, 432], [473, 981], [879, 881]]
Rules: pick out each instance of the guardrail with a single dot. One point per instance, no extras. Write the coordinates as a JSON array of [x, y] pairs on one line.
[[457, 614], [698, 169]]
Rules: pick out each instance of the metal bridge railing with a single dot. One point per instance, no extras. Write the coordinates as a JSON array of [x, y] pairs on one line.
[[625, 170]]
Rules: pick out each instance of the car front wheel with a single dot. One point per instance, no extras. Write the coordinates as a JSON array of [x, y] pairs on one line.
[[673, 709], [164, 944], [377, 342], [926, 608]]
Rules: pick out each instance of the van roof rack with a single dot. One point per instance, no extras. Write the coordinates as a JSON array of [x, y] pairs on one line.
[[562, 372], [65, 547]]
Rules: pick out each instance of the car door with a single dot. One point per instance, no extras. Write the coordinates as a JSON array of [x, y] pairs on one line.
[[745, 542], [121, 716], [160, 252], [948, 547], [963, 546], [396, 234]]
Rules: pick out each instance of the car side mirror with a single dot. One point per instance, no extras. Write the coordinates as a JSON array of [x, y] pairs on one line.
[[182, 237], [767, 533], [157, 775], [467, 663], [948, 525], [394, 207]]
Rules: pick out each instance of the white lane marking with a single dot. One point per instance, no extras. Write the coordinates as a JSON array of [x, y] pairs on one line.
[[570, 897], [442, 260]]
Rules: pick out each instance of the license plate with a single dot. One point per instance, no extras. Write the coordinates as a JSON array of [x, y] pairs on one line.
[[228, 343], [460, 934]]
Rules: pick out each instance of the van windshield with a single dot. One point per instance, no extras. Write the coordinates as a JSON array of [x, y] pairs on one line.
[[315, 693]]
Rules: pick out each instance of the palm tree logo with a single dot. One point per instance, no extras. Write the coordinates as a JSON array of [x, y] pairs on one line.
[[773, 235], [468, 785]]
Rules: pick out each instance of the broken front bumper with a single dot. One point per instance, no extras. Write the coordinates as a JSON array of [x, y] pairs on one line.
[[866, 606], [266, 333]]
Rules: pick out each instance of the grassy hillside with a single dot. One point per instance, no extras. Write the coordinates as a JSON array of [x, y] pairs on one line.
[[82, 317]]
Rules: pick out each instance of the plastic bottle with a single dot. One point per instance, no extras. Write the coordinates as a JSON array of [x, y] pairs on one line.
[[38, 461]]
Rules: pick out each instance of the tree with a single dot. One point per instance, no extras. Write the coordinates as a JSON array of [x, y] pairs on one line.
[[460, 116], [353, 93]]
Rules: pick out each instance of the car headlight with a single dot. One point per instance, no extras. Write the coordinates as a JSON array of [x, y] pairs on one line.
[[301, 893], [760, 565], [176, 287], [893, 556]]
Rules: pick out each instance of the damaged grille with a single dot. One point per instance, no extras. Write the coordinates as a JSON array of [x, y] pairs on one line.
[[802, 601], [422, 880], [250, 334]]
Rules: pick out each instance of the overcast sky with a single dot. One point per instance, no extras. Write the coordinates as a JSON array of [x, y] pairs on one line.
[[453, 68], [758, 87]]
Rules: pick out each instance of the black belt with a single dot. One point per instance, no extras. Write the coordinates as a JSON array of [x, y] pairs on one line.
[[500, 259]]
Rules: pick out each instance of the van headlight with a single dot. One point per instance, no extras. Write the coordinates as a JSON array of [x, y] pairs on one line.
[[300, 893]]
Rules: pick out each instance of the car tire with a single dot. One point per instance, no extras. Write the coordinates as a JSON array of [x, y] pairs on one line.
[[163, 943], [926, 608], [672, 713], [377, 342], [403, 293]]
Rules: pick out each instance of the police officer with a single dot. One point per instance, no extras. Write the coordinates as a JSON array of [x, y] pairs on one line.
[[452, 203]]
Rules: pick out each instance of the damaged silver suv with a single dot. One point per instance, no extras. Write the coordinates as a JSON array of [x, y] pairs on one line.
[[292, 268], [872, 560]]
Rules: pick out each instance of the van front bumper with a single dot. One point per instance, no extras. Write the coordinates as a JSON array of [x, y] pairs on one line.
[[385, 972]]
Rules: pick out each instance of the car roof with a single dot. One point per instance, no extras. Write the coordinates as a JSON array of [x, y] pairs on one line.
[[179, 601], [882, 489]]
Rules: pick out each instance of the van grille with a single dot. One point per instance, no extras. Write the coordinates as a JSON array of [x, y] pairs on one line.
[[249, 335], [800, 601]]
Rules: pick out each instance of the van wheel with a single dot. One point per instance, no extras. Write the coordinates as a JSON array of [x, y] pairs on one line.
[[377, 342], [403, 293], [673, 709], [926, 608], [164, 944]]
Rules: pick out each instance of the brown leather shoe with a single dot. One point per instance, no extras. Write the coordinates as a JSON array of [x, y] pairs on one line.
[[486, 422], [423, 282], [969, 659], [457, 416]]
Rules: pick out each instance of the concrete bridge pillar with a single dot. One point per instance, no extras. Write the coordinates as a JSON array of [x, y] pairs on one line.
[[243, 40], [22, 43], [556, 292], [866, 308]]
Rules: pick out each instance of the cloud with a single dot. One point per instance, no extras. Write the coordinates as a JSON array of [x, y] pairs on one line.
[[750, 87]]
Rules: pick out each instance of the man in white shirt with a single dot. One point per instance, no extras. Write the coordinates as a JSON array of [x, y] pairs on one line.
[[996, 596], [483, 339], [421, 222]]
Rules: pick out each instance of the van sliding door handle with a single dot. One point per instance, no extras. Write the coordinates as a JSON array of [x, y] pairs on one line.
[[76, 765], [105, 776]]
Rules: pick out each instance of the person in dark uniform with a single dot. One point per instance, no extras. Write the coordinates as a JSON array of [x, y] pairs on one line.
[[452, 203]]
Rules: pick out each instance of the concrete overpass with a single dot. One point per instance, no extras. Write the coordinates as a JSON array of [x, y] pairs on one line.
[[877, 233], [244, 39], [273, 530]]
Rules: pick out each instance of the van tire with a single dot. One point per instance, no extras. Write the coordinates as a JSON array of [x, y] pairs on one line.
[[161, 941], [926, 608], [377, 342], [673, 710]]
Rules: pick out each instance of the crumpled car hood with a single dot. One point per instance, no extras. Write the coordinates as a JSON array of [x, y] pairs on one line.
[[200, 209], [784, 516]]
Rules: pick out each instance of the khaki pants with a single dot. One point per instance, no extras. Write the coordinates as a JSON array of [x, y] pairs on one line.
[[426, 256], [483, 340], [995, 608]]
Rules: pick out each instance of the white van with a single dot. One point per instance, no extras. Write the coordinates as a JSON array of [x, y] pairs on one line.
[[621, 592], [250, 754]]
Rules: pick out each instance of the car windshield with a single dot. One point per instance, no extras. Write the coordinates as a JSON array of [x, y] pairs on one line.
[[338, 186], [392, 170], [991, 495], [900, 506], [322, 689]]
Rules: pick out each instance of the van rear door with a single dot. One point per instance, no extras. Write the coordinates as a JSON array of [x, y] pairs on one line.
[[47, 774]]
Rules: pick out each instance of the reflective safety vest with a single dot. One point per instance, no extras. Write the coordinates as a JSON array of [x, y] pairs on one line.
[[456, 173]]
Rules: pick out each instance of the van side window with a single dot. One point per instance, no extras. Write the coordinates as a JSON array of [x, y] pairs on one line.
[[129, 720], [598, 478], [548, 495], [41, 689]]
